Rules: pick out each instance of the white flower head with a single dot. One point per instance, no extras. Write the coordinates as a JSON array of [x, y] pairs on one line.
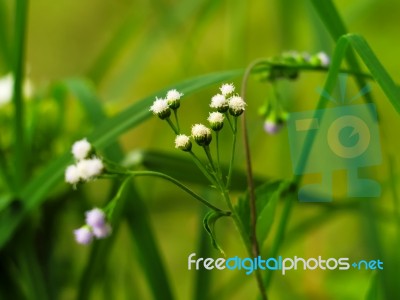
[[183, 142], [323, 59], [102, 232], [173, 99], [201, 134], [216, 120], [160, 108], [219, 103], [83, 235], [72, 175], [81, 149], [90, 168], [236, 106], [95, 217], [174, 95], [227, 89], [7, 85]]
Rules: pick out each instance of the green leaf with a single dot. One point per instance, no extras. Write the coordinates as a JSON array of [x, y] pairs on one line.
[[209, 223], [373, 289], [105, 134], [267, 196]]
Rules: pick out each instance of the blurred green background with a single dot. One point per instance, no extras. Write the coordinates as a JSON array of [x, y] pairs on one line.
[[129, 50]]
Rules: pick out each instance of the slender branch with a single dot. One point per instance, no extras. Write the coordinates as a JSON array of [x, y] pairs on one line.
[[178, 184], [200, 165], [228, 181], [172, 125], [255, 249], [177, 120], [209, 156]]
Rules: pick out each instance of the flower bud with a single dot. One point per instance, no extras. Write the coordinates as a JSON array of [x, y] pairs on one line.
[[219, 103], [227, 89], [83, 235], [160, 108], [320, 59], [173, 99], [183, 142], [201, 134], [236, 106], [216, 120]]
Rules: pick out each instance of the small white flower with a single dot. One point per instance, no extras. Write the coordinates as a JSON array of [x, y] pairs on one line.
[[219, 103], [201, 134], [227, 88], [324, 59], [90, 168], [236, 106], [102, 232], [173, 95], [160, 108], [72, 175], [81, 149], [183, 142], [95, 217], [83, 235], [216, 117], [216, 120]]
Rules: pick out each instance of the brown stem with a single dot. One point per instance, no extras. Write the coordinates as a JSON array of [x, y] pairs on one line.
[[250, 183]]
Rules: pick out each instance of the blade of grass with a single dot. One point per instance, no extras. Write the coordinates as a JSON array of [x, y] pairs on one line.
[[21, 12], [336, 27], [5, 57], [148, 255]]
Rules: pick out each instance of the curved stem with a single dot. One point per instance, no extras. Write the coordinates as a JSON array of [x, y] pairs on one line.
[[210, 159], [180, 185]]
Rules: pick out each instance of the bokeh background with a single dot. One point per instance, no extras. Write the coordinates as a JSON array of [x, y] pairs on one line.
[[131, 49]]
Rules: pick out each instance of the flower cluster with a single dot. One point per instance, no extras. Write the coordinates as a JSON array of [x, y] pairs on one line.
[[95, 227], [162, 106], [86, 167], [228, 101]]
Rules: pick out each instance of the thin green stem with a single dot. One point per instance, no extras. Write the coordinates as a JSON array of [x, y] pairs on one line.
[[172, 126], [227, 116], [228, 180], [109, 209], [209, 157], [177, 120], [21, 12], [202, 168], [218, 160], [178, 184]]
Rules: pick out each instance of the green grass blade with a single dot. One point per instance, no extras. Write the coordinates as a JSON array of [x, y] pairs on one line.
[[336, 27], [5, 58], [21, 12], [148, 255]]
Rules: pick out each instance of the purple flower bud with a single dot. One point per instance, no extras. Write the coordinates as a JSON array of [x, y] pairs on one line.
[[83, 235], [102, 232], [272, 127], [95, 218]]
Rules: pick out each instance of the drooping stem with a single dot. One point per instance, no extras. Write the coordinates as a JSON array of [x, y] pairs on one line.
[[178, 184], [218, 160]]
